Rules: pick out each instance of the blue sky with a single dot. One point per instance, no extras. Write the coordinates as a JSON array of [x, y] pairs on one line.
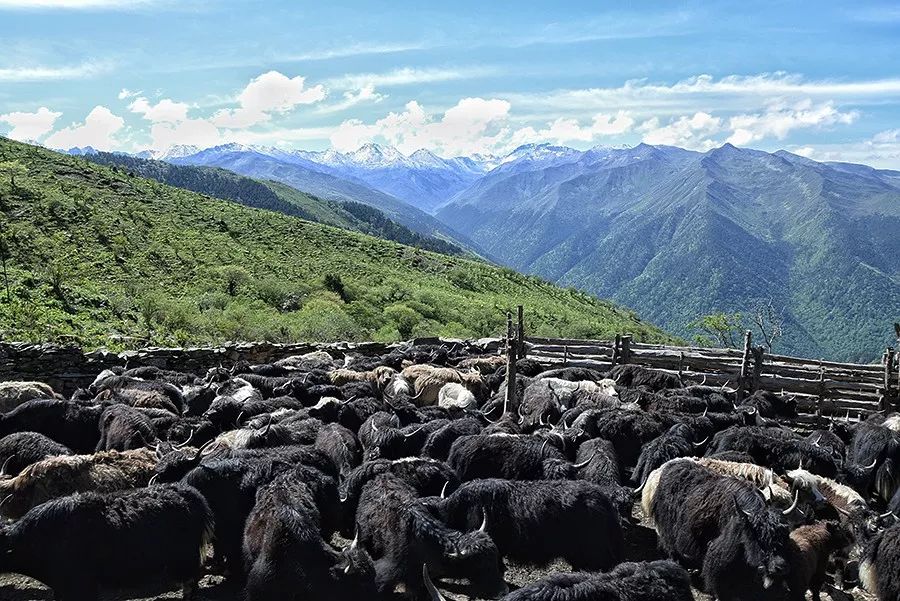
[[821, 79]]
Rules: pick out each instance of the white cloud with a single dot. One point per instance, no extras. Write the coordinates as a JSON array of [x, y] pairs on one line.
[[805, 151], [779, 120], [347, 50], [693, 131], [125, 93], [472, 125], [365, 94], [98, 131], [271, 92], [30, 126], [704, 92], [407, 76], [164, 111], [171, 124], [195, 132], [564, 130], [74, 4], [40, 73]]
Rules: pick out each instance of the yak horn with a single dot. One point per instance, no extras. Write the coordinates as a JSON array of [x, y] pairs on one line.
[[578, 466], [205, 446], [703, 382], [420, 393], [701, 443], [444, 489], [237, 421], [816, 441], [374, 426], [5, 499], [640, 488], [433, 593], [793, 505], [543, 446], [871, 465], [842, 510], [414, 432], [355, 541], [268, 426], [5, 464], [705, 411], [483, 527], [153, 480], [751, 411], [184, 444]]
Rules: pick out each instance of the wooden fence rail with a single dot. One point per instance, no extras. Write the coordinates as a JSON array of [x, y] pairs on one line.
[[821, 387]]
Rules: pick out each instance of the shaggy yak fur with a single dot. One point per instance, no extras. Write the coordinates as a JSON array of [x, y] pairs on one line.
[[55, 477], [402, 535], [85, 543], [538, 521]]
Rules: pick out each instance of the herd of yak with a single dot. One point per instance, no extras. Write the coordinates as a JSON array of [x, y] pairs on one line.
[[149, 478]]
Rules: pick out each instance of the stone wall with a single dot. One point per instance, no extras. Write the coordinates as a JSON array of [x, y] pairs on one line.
[[67, 368]]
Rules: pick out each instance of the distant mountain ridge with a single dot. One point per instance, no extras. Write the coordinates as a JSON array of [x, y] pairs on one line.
[[675, 234], [678, 234]]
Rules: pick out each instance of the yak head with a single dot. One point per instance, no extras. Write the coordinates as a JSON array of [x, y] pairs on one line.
[[763, 536], [353, 572], [476, 555]]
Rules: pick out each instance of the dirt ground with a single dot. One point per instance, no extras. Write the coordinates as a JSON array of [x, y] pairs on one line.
[[640, 540]]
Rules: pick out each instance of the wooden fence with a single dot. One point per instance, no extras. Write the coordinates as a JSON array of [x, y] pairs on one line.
[[822, 388]]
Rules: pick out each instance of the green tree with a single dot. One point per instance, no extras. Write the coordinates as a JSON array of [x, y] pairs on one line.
[[13, 169], [404, 318], [235, 276], [719, 329]]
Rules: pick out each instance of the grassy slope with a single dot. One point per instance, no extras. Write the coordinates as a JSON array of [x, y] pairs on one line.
[[102, 258], [274, 196]]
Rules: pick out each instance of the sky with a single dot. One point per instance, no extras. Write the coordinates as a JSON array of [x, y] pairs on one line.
[[821, 79]]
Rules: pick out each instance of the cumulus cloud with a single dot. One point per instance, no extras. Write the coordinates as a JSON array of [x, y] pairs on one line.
[[778, 121], [692, 131], [98, 131], [30, 126], [564, 130], [471, 126], [125, 93], [271, 92], [164, 111]]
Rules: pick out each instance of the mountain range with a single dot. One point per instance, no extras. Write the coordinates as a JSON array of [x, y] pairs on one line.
[[672, 233]]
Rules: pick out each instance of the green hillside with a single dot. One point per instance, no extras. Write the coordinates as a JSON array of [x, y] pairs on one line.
[[99, 257], [274, 196]]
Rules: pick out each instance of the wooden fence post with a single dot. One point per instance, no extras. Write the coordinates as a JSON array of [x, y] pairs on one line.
[[887, 360], [520, 332], [820, 399], [745, 365], [681, 366], [617, 350], [758, 355], [626, 349], [510, 362], [566, 356]]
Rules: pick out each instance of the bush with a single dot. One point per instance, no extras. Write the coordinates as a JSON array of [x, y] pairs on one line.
[[321, 320]]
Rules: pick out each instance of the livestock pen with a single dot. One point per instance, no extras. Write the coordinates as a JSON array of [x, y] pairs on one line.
[[822, 388]]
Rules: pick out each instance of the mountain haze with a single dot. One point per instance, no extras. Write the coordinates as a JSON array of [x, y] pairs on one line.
[[299, 171]]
